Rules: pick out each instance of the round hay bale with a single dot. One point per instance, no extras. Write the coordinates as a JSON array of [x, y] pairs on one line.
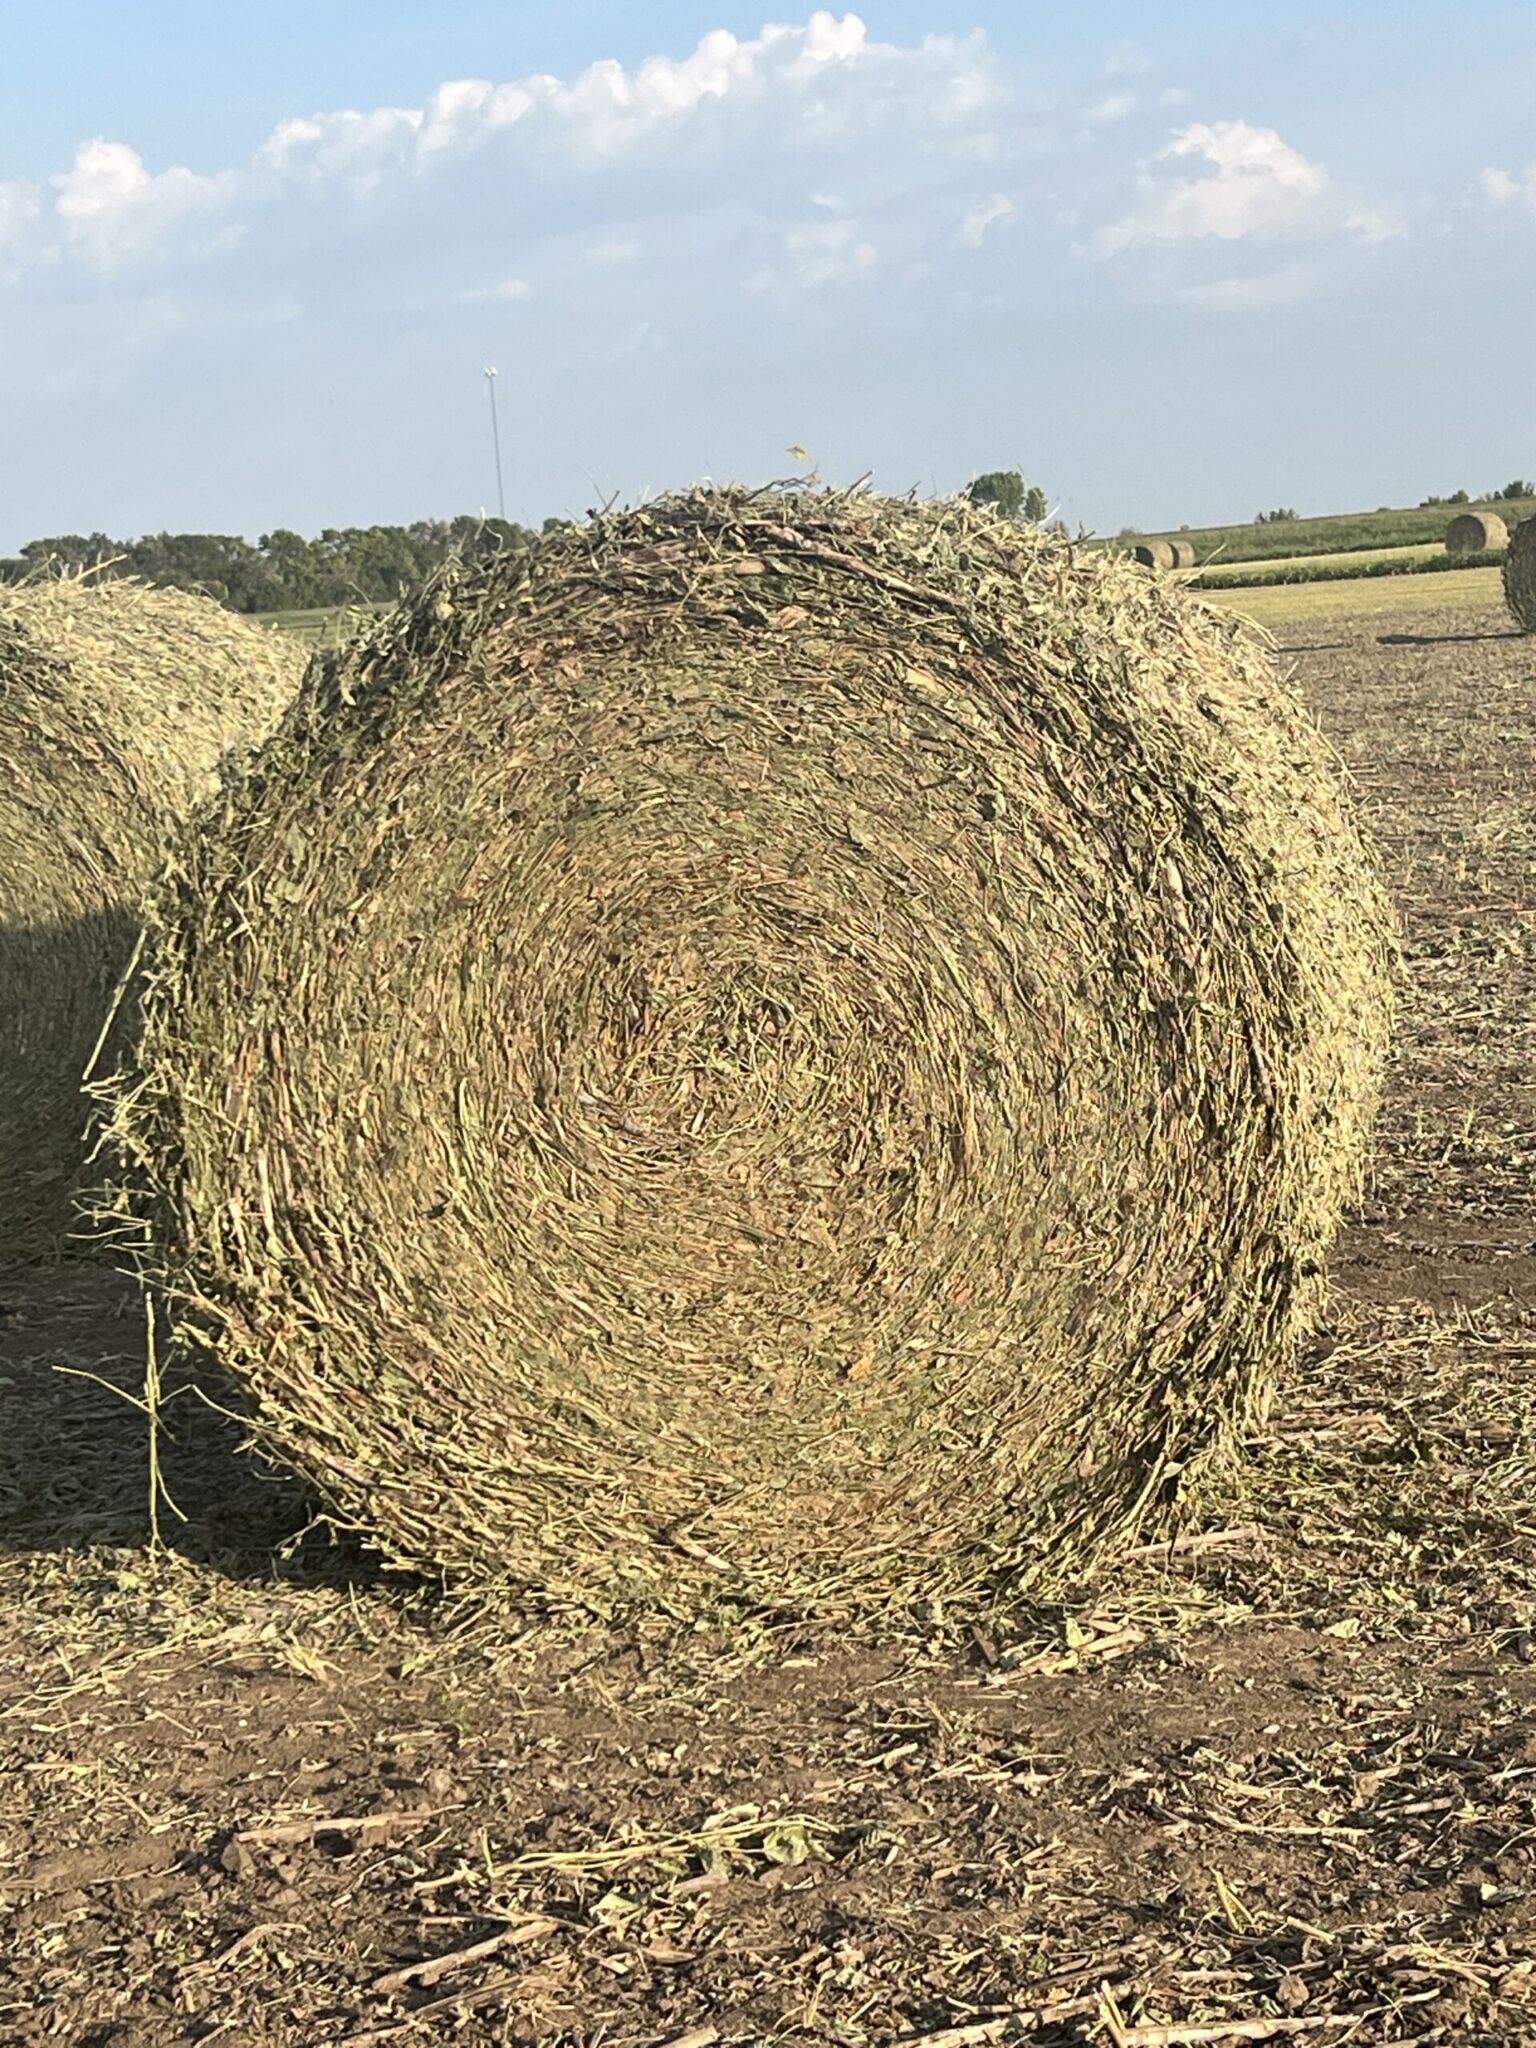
[[1154, 554], [116, 703], [1520, 575], [1470, 532], [1183, 554], [802, 1049]]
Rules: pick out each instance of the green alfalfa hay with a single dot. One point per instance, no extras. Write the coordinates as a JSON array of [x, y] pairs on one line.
[[798, 1049], [116, 703], [1520, 575]]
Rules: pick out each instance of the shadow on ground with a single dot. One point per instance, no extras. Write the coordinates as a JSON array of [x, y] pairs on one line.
[[75, 1444], [1443, 639]]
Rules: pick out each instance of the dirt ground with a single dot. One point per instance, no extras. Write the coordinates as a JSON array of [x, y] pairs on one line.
[[1280, 1785]]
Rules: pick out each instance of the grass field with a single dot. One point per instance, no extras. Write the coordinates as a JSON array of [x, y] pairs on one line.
[[1277, 1783], [1338, 533]]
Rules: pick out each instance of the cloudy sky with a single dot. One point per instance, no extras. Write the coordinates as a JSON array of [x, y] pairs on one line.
[[1177, 263]]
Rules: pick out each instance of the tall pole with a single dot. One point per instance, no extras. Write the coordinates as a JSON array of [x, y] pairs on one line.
[[501, 496]]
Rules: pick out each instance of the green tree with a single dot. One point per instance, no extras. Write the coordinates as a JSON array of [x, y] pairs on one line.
[[1006, 491]]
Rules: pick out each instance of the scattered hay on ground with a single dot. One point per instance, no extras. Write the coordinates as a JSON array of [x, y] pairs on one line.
[[116, 703], [1520, 575], [1469, 533], [799, 1049]]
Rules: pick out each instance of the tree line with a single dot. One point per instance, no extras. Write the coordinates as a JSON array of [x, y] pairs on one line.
[[282, 571], [345, 565]]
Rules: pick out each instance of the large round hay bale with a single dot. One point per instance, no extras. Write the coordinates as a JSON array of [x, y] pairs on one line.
[[1470, 532], [1520, 575], [116, 703], [1183, 553], [797, 1048], [1154, 554]]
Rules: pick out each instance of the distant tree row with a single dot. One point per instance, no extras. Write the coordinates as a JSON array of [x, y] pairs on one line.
[[1522, 487], [282, 571]]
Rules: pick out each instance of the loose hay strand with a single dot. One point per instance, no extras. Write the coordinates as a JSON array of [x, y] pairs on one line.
[[117, 703], [792, 1049]]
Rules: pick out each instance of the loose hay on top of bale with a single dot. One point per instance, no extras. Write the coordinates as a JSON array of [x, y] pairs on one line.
[[1471, 532], [1520, 575], [1154, 554], [116, 703], [799, 1049]]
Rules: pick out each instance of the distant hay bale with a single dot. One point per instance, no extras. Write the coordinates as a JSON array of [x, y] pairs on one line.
[[1470, 532], [1520, 575], [1183, 554], [116, 702], [804, 1049], [1154, 554]]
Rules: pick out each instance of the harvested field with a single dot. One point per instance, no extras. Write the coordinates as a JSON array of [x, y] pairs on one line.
[[1280, 1786]]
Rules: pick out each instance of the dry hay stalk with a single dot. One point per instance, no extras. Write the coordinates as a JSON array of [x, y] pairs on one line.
[[797, 1048], [1183, 553], [1154, 554], [116, 703], [1470, 532], [1520, 575]]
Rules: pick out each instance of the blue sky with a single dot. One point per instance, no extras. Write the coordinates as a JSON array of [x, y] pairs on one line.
[[1176, 263]]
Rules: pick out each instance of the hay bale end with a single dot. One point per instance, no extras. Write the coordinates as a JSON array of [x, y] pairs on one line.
[[792, 1049], [1520, 575]]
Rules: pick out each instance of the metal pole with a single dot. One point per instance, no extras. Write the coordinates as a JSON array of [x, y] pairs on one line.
[[501, 496]]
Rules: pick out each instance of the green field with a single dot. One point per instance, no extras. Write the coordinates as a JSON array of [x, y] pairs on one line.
[[1338, 533]]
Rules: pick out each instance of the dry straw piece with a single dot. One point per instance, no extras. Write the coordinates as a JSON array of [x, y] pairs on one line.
[[1520, 575], [1155, 554], [116, 704], [1470, 532], [801, 1049]]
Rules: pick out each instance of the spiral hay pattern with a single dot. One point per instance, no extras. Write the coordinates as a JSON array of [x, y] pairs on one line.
[[800, 1049], [1469, 533], [116, 703], [1520, 575]]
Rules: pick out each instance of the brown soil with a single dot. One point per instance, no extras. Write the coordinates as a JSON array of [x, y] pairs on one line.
[[1281, 1785]]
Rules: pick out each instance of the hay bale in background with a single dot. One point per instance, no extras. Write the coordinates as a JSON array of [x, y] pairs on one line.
[[116, 702], [1153, 554], [1520, 575], [802, 1048], [1470, 532], [1183, 553]]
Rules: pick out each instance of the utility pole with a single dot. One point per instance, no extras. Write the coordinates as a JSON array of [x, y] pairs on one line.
[[501, 496]]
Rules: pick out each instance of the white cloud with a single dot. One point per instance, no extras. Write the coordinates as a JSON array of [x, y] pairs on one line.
[[1287, 286], [828, 252], [1113, 108], [1253, 184], [614, 253], [112, 208], [990, 213], [1500, 189], [509, 291]]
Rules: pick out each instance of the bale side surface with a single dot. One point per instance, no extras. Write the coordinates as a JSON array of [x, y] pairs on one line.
[[1183, 553], [1520, 575], [1471, 532], [1154, 554], [116, 703], [798, 1049]]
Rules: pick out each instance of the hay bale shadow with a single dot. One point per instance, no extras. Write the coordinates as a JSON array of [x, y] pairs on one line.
[[75, 1455]]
